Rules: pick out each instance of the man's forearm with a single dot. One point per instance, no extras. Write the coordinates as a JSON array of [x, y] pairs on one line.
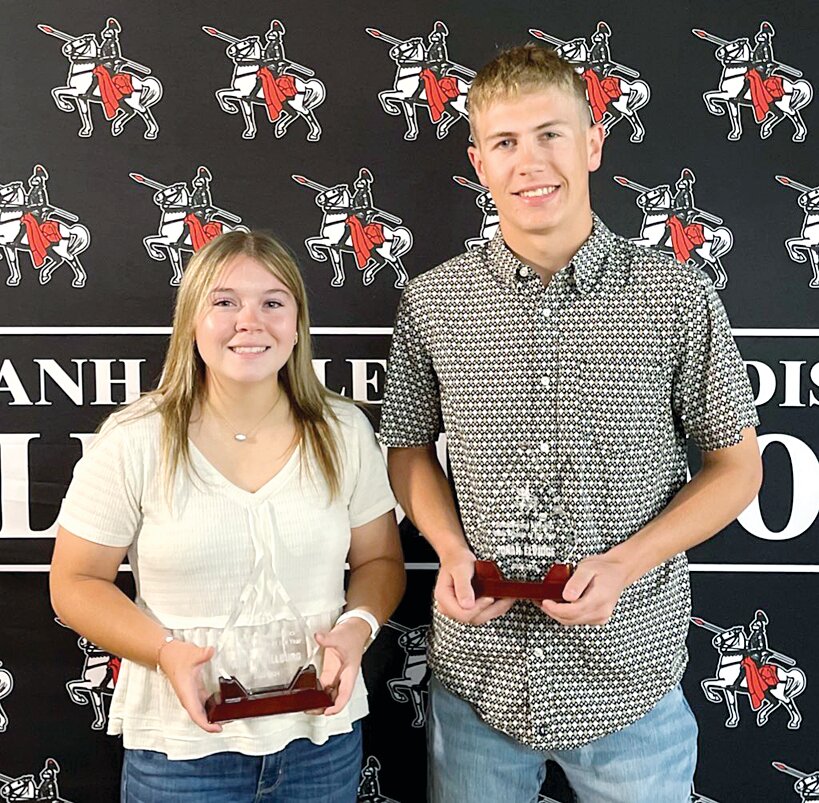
[[710, 501], [423, 492]]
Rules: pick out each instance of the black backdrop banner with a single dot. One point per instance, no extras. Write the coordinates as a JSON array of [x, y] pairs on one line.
[[125, 174]]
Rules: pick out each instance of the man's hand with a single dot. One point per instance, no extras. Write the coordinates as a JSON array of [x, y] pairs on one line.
[[591, 593], [455, 596]]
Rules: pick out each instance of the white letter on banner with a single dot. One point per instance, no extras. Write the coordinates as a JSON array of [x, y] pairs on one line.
[[805, 506], [767, 382], [10, 383], [793, 383], [71, 387], [361, 382], [105, 383]]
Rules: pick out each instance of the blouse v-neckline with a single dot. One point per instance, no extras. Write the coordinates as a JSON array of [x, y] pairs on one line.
[[260, 494]]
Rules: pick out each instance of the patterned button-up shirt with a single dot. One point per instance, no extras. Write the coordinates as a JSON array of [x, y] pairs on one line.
[[566, 408]]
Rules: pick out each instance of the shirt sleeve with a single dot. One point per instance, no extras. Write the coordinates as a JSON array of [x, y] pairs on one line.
[[370, 493], [103, 501], [712, 394], [411, 415]]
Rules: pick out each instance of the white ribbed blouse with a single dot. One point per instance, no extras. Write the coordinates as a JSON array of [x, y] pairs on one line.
[[193, 553]]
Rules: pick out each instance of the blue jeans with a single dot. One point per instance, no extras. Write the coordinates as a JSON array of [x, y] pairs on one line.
[[302, 772], [650, 761]]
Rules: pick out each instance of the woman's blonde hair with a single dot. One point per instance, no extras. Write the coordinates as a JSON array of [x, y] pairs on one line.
[[182, 384]]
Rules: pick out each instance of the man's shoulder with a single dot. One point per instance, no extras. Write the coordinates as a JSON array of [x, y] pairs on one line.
[[451, 273]]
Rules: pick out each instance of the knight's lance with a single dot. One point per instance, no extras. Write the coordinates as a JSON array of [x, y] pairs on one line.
[[226, 215], [314, 185], [714, 40], [465, 182], [390, 40], [451, 67], [395, 626], [69, 216], [632, 185], [217, 34], [294, 65], [778, 765], [135, 65], [714, 629], [789, 182], [788, 70], [698, 798], [552, 40], [140, 179], [47, 29]]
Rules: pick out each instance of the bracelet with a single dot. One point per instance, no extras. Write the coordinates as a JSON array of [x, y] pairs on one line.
[[169, 637], [359, 613]]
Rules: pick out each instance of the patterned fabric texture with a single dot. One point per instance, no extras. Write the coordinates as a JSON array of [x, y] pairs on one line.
[[567, 409]]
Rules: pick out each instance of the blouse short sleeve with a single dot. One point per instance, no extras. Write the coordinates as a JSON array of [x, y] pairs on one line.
[[369, 490], [103, 501]]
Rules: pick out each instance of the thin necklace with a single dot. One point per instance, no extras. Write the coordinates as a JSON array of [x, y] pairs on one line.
[[240, 436]]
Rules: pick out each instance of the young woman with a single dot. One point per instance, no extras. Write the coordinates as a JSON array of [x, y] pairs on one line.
[[240, 475]]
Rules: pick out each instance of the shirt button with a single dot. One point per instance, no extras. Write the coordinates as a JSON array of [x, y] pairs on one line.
[[545, 380], [546, 312], [544, 447], [524, 272], [538, 652]]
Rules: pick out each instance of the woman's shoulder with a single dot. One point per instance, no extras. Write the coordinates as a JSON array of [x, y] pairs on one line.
[[140, 419], [349, 416]]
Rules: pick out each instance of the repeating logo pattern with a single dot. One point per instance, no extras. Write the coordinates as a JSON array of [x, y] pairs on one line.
[[615, 92], [99, 75], [352, 224], [752, 78], [491, 219], [425, 77], [807, 783], [30, 789], [412, 685], [6, 687], [51, 236], [673, 225], [746, 666], [264, 76], [188, 219], [805, 248]]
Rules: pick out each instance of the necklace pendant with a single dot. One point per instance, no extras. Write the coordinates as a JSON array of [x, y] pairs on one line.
[[240, 436]]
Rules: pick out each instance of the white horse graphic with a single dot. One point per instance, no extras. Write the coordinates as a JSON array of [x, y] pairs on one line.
[[174, 236], [735, 58], [74, 239], [409, 91], [633, 94], [95, 684], [657, 207], [412, 685], [6, 686], [805, 247], [731, 646], [82, 53], [335, 239], [491, 218], [245, 90]]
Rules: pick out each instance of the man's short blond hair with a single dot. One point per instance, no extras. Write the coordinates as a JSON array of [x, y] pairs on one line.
[[526, 68]]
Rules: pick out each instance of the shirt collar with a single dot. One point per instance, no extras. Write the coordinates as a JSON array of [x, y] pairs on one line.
[[584, 269]]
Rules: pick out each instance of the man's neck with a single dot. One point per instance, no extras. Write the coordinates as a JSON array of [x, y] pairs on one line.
[[551, 251]]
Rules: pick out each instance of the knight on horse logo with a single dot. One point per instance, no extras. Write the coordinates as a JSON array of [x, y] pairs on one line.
[[264, 76], [98, 73], [807, 783], [188, 221], [752, 77], [412, 686], [747, 666], [30, 222], [491, 219], [805, 247], [674, 225], [425, 77], [6, 687], [352, 223], [369, 788], [28, 789], [615, 92]]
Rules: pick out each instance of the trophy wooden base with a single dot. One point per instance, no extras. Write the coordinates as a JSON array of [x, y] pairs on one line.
[[234, 701], [489, 582]]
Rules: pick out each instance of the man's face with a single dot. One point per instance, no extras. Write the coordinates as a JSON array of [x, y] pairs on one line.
[[534, 152]]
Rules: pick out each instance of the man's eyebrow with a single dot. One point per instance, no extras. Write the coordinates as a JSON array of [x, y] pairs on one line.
[[541, 127]]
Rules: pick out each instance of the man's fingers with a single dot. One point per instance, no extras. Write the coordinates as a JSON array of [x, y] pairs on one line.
[[494, 609], [578, 583], [462, 580]]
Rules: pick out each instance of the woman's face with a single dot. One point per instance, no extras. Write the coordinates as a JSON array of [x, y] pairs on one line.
[[247, 330]]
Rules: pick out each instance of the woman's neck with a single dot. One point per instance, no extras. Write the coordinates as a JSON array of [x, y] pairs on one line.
[[244, 402]]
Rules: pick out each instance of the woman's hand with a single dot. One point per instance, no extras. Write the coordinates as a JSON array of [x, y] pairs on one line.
[[182, 664], [343, 647]]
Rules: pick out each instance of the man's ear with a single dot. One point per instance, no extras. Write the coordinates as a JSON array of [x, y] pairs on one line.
[[474, 154], [595, 138]]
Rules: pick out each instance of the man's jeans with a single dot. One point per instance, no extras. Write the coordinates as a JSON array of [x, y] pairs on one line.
[[302, 772], [650, 761]]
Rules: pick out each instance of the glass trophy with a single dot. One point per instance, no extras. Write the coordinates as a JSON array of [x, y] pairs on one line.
[[534, 547], [265, 665]]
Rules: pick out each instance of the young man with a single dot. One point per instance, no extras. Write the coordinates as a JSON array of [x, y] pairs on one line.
[[568, 368]]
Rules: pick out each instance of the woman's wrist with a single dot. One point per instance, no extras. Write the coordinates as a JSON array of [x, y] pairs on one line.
[[167, 638]]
